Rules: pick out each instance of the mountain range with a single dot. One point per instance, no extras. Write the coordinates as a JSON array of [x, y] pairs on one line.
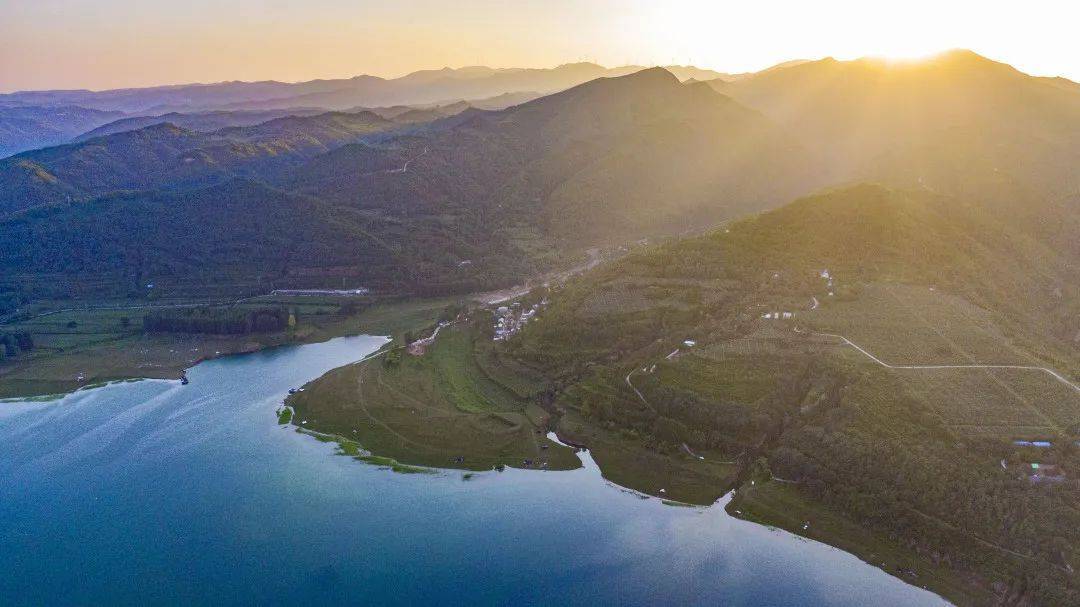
[[427, 86], [34, 119], [611, 160], [166, 156]]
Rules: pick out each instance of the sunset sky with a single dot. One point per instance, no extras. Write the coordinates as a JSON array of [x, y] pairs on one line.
[[114, 43]]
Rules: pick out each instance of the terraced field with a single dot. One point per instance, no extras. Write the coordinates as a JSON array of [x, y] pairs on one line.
[[905, 325], [901, 325], [631, 295], [439, 409], [1010, 403], [744, 380]]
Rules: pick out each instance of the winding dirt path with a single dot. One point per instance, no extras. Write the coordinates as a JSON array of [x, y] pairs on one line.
[[877, 360]]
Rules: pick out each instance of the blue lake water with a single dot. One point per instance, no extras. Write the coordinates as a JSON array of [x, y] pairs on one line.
[[156, 493]]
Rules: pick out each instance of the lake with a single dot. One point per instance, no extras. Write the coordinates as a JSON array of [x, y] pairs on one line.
[[151, 492]]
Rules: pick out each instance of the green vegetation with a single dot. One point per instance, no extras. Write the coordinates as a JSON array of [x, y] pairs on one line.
[[102, 347], [439, 409], [14, 344], [937, 327], [165, 156], [351, 448], [782, 505], [393, 465], [285, 415], [297, 202], [218, 320], [916, 467]]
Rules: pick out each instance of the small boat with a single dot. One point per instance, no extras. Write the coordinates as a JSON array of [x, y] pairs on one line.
[[183, 379]]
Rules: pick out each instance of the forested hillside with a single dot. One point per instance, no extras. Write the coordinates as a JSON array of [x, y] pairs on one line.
[[29, 127], [917, 456], [164, 156], [483, 194], [239, 232], [609, 160], [478, 198], [866, 359], [195, 121]]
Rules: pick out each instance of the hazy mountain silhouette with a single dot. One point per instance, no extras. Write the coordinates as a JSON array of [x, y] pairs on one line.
[[428, 86], [29, 127]]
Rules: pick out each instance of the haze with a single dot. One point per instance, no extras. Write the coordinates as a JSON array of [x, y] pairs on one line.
[[118, 43]]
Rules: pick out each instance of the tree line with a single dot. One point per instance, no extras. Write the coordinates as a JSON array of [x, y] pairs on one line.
[[13, 344], [219, 320]]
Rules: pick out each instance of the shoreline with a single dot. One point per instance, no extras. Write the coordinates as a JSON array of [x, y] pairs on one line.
[[166, 356], [355, 450]]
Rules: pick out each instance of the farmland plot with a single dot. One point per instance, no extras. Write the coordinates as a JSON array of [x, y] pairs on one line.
[[905, 325]]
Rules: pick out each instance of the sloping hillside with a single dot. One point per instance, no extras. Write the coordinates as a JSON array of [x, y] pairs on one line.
[[836, 350], [957, 123], [164, 156], [196, 121], [611, 159], [28, 128]]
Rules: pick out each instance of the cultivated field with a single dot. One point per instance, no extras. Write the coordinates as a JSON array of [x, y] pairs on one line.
[[910, 325], [1010, 403], [634, 294], [439, 409]]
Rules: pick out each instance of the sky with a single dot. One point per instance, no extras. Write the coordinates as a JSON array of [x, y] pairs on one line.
[[100, 44]]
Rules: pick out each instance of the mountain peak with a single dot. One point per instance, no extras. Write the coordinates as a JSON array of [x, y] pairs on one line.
[[654, 72], [647, 77], [961, 54]]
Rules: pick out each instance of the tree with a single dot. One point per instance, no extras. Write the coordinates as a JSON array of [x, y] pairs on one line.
[[392, 358], [11, 349], [24, 340], [349, 308]]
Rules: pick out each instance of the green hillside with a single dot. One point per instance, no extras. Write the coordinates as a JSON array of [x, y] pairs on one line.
[[769, 391], [164, 156], [239, 233]]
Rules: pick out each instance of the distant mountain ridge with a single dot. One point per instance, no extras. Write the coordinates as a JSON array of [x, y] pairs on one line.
[[165, 156], [427, 86], [36, 119], [607, 159], [28, 127], [200, 121]]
